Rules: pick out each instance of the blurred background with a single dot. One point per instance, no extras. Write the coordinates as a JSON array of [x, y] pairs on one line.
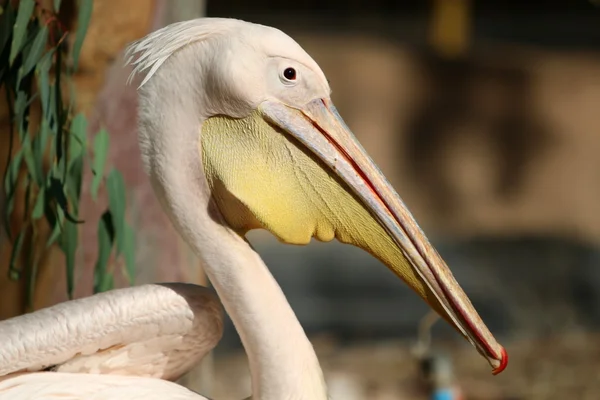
[[484, 115]]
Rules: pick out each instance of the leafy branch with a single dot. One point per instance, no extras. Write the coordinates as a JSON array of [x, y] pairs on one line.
[[49, 148]]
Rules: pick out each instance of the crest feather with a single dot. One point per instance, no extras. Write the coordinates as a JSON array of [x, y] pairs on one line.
[[151, 51]]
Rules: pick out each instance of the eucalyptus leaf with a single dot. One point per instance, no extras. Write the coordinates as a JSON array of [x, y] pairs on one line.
[[38, 207], [36, 51], [56, 226], [116, 202], [101, 142], [77, 138], [10, 187], [20, 102], [59, 111], [57, 168], [31, 100], [102, 277], [12, 173], [6, 23], [50, 211], [16, 251], [28, 186], [20, 27], [51, 115], [83, 21], [56, 190], [129, 254], [49, 162], [31, 161], [75, 182], [20, 106], [40, 143], [43, 77]]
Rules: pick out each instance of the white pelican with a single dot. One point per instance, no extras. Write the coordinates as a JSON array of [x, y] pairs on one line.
[[237, 132]]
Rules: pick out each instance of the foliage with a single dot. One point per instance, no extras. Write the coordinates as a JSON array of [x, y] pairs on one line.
[[49, 149]]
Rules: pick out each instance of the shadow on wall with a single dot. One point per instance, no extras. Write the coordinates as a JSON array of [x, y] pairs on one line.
[[482, 109], [503, 142]]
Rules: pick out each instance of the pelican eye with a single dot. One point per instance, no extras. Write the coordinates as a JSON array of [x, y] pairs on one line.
[[290, 74]]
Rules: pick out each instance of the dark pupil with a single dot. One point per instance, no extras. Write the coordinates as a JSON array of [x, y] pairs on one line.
[[290, 73]]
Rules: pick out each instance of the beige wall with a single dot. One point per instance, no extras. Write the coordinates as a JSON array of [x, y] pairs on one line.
[[518, 155]]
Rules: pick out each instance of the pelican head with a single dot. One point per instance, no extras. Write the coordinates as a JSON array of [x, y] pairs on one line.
[[277, 155]]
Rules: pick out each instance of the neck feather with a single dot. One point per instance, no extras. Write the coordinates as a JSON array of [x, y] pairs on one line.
[[282, 360]]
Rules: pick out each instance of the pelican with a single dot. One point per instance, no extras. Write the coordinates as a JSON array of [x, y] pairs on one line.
[[237, 131]]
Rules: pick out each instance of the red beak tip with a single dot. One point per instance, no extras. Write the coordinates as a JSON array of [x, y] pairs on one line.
[[503, 362]]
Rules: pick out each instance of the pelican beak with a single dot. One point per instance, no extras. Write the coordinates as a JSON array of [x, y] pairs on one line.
[[319, 128]]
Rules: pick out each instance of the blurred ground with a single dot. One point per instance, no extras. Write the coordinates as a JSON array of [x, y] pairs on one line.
[[554, 368]]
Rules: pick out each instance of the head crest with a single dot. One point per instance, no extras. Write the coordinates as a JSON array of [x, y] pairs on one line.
[[150, 52]]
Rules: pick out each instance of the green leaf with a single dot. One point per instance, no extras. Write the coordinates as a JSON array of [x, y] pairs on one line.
[[59, 110], [52, 115], [52, 151], [10, 179], [36, 51], [28, 185], [43, 70], [74, 183], [83, 21], [56, 190], [77, 138], [6, 22], [20, 106], [38, 207], [101, 142], [129, 253], [56, 6], [116, 202], [31, 162], [68, 244], [10, 187], [40, 141], [14, 271], [20, 27], [103, 280], [55, 222], [20, 102], [57, 168]]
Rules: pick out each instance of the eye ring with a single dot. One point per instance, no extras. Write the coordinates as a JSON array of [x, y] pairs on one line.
[[290, 74]]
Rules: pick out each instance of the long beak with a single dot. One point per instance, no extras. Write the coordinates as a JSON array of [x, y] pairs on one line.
[[319, 127]]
